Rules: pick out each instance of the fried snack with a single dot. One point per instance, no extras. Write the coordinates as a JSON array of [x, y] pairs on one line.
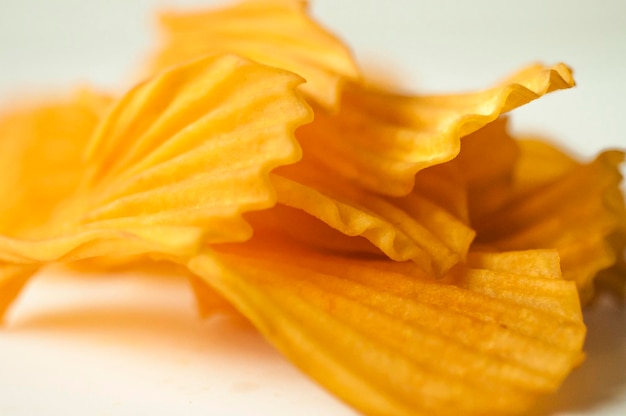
[[376, 138], [383, 248], [487, 159], [389, 339], [389, 138], [174, 164], [194, 147], [543, 207], [41, 147], [381, 140], [401, 232], [277, 33], [41, 154]]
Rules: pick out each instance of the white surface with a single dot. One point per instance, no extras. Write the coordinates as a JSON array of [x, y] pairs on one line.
[[124, 346]]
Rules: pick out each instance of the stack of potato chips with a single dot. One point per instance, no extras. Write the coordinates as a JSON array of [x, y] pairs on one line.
[[404, 251]]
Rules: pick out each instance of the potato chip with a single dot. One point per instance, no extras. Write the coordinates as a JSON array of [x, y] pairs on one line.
[[445, 186], [539, 164], [310, 230], [389, 341], [208, 300], [380, 140], [175, 163], [41, 147], [487, 160], [278, 33], [411, 228], [195, 146], [503, 175], [549, 211], [363, 267], [13, 277], [614, 277]]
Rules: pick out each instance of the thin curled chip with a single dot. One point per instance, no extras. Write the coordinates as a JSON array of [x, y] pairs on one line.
[[381, 140], [174, 164], [340, 274], [389, 339], [278, 33], [407, 229], [487, 161], [552, 212], [41, 149], [379, 136], [194, 147]]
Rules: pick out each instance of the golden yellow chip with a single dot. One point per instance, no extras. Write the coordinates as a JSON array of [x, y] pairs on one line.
[[540, 163], [349, 243], [380, 140], [174, 164], [487, 160], [13, 277], [444, 185], [550, 211], [278, 33], [194, 148], [41, 149], [410, 228], [389, 339]]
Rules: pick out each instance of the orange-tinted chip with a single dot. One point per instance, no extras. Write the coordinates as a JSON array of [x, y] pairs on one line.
[[487, 160], [550, 211], [41, 149], [410, 228], [444, 185], [273, 32], [194, 147], [380, 140], [389, 339], [175, 163]]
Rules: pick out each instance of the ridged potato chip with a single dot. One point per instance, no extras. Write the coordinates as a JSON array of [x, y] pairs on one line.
[[41, 148], [41, 154], [376, 138], [550, 211], [194, 147], [175, 163], [381, 140], [284, 36], [389, 339], [379, 136], [405, 251], [409, 229]]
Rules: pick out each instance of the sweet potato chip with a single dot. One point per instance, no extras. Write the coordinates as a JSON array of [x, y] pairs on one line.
[[445, 186], [389, 339], [194, 147], [13, 277], [363, 267], [175, 163], [550, 211], [278, 33], [487, 160], [540, 163], [411, 228], [380, 140], [41, 148]]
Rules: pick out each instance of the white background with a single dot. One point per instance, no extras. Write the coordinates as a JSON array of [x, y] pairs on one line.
[[111, 345]]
